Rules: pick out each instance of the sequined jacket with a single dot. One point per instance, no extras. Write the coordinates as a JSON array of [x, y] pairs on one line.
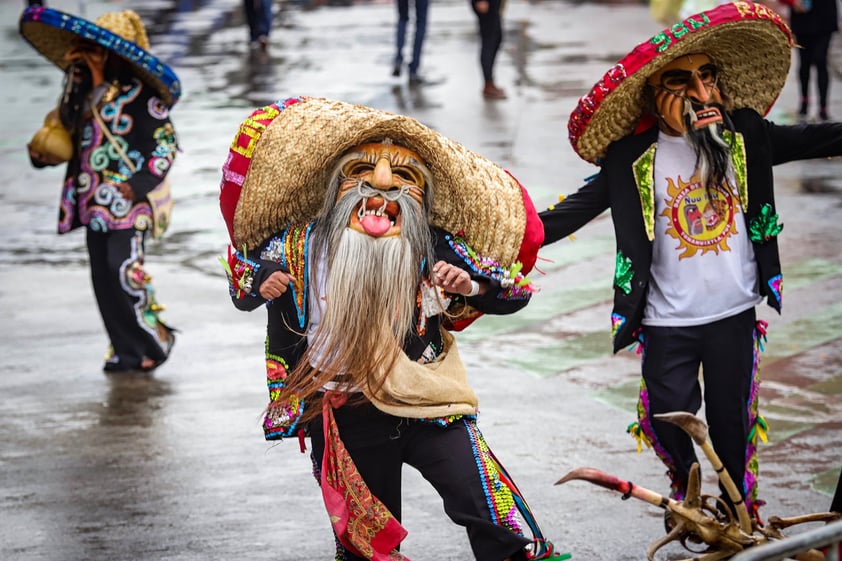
[[288, 315], [625, 185], [139, 123]]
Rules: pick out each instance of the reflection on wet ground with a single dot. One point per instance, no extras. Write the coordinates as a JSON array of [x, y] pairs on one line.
[[173, 466], [134, 399]]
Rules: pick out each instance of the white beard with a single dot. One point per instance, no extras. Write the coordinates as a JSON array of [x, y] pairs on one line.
[[371, 286]]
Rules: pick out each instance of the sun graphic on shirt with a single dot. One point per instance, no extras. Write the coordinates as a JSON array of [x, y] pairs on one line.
[[700, 222]]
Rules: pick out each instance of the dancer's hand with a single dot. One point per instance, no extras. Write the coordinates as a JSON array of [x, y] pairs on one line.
[[275, 285], [453, 279]]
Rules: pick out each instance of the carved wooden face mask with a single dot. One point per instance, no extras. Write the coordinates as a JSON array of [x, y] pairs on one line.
[[381, 174], [686, 89], [85, 53]]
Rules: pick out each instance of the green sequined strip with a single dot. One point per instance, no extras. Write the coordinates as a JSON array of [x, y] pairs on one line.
[[644, 176]]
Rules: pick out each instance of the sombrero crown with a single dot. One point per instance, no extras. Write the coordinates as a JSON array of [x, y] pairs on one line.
[[750, 44], [280, 161], [52, 33]]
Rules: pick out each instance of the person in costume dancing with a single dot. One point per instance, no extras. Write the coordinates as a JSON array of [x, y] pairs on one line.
[[677, 129], [112, 128], [366, 246]]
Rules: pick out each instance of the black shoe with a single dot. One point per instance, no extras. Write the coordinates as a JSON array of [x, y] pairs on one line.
[[396, 71]]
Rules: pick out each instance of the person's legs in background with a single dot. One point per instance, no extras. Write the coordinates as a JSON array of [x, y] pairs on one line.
[[821, 45], [805, 58], [139, 340], [251, 18], [421, 9], [259, 19], [400, 34], [491, 37]]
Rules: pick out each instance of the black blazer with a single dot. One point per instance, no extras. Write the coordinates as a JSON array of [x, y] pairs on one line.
[[766, 144]]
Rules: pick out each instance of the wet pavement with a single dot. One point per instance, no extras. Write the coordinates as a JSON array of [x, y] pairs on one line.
[[173, 466]]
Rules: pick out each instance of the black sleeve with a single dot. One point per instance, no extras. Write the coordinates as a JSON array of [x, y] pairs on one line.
[[803, 142], [503, 296], [576, 210], [246, 272]]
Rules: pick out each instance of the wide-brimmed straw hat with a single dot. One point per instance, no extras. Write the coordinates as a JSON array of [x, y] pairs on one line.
[[750, 44], [281, 159], [52, 33]]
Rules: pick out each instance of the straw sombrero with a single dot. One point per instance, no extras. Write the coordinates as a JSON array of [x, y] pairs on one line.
[[750, 44], [280, 162], [52, 33]]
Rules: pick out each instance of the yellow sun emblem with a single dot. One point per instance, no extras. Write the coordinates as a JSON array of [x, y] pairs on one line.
[[698, 220]]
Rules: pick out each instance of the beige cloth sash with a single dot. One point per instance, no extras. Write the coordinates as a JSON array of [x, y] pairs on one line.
[[436, 389]]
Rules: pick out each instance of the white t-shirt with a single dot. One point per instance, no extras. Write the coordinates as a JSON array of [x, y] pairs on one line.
[[703, 266]]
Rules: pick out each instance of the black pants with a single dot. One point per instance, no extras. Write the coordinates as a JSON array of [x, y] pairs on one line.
[[725, 350], [491, 37], [258, 17], [447, 457], [813, 52], [126, 299]]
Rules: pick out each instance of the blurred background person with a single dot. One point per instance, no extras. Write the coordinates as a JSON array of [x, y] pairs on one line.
[[813, 22], [259, 19], [421, 9], [112, 129], [490, 17]]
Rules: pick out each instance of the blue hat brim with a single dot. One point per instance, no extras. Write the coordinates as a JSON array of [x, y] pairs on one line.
[[52, 33]]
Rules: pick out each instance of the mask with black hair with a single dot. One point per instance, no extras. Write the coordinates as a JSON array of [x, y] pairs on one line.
[[713, 153], [78, 83]]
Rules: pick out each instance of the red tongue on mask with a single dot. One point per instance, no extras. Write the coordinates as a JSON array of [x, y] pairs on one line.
[[375, 226]]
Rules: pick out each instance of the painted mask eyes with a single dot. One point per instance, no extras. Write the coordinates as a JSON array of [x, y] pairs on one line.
[[678, 81], [407, 173]]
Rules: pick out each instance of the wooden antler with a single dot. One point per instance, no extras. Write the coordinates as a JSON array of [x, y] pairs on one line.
[[692, 516], [698, 431], [703, 518]]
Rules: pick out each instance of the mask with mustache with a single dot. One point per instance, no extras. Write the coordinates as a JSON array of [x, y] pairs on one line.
[[371, 281], [78, 83], [713, 153]]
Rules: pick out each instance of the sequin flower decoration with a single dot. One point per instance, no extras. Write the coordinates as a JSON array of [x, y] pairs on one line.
[[636, 431], [765, 225], [240, 271]]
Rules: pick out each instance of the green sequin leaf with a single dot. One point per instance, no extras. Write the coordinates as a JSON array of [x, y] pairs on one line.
[[623, 273], [765, 225]]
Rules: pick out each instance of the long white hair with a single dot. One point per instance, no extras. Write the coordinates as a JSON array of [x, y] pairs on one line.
[[371, 290]]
